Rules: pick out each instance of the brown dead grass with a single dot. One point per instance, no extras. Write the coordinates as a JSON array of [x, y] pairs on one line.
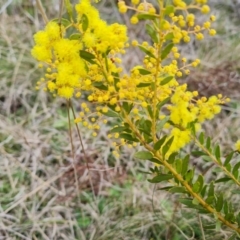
[[39, 195]]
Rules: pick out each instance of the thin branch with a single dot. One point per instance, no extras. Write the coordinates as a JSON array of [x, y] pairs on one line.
[[73, 152], [83, 149], [60, 12], [41, 9], [201, 227]]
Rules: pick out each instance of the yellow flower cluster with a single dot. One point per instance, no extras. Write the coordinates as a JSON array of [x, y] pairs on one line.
[[66, 70], [88, 61], [99, 35], [181, 26], [64, 65], [186, 109]]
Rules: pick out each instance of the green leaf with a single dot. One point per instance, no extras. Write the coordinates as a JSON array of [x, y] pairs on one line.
[[203, 190], [206, 158], [218, 226], [145, 126], [128, 137], [144, 155], [166, 80], [169, 36], [165, 188], [225, 207], [141, 85], [219, 203], [150, 111], [155, 160], [146, 16], [159, 143], [235, 170], [228, 158], [65, 22], [117, 129], [178, 190], [84, 22], [167, 145], [195, 201], [172, 157], [187, 202], [155, 170], [197, 186], [185, 163], [110, 113], [230, 217], [162, 103], [127, 107], [208, 144], [69, 8], [238, 219], [87, 56], [191, 125], [104, 55], [218, 154], [228, 167], [166, 51], [75, 36], [100, 86], [230, 207], [161, 124], [201, 138], [143, 49], [143, 71], [160, 178], [169, 9], [198, 153], [224, 179], [116, 80], [203, 211], [210, 200], [152, 33], [189, 175], [235, 174], [178, 165], [211, 189]]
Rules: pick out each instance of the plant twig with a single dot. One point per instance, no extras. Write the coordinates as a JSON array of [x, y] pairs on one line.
[[201, 227], [83, 149], [60, 12], [73, 152], [41, 9]]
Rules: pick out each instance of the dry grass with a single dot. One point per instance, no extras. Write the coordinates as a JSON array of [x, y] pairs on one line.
[[39, 195]]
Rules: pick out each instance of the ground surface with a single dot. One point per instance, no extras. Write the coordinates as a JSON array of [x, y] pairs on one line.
[[39, 195]]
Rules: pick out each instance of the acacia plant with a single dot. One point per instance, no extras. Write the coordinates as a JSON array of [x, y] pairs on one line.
[[150, 109]]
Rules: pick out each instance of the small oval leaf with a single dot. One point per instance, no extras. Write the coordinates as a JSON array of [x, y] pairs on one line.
[[160, 178], [110, 113], [166, 51], [143, 71], [143, 49], [144, 155], [169, 9], [228, 158], [84, 22], [159, 143], [166, 80]]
